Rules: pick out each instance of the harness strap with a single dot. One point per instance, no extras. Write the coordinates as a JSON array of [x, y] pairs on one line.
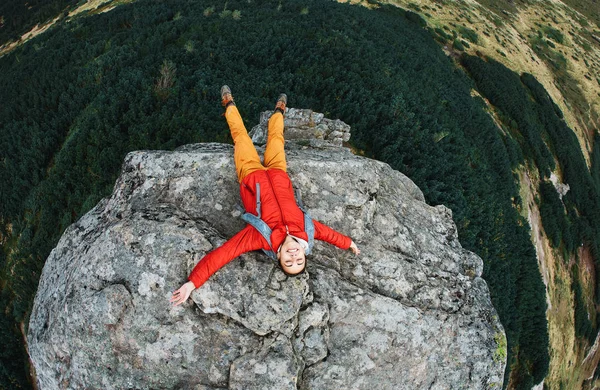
[[309, 227], [263, 229], [299, 198]]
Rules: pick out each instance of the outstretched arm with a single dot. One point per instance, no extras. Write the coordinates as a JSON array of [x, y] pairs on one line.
[[327, 234], [248, 239]]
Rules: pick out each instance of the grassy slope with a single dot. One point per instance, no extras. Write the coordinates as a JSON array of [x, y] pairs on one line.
[[509, 34]]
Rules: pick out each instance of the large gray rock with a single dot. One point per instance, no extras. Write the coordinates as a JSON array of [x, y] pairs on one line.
[[304, 125], [410, 312]]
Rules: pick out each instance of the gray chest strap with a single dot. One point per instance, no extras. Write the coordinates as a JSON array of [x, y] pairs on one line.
[[265, 230]]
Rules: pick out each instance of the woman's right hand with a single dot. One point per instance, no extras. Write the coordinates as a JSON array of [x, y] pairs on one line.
[[181, 295], [354, 248]]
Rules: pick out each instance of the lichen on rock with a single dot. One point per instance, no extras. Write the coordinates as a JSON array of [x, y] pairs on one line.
[[410, 312]]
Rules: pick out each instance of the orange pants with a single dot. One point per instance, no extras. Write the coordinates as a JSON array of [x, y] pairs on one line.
[[244, 153]]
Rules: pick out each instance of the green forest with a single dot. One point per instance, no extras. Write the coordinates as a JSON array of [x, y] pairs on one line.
[[146, 75]]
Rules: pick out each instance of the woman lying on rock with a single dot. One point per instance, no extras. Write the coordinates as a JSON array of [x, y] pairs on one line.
[[275, 222]]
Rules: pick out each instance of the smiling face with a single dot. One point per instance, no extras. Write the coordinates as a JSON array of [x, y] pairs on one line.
[[291, 256]]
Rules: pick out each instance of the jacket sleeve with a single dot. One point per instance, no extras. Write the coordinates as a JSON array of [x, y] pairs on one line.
[[327, 234], [246, 240]]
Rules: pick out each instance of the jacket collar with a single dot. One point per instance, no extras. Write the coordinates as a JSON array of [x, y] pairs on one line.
[[281, 231]]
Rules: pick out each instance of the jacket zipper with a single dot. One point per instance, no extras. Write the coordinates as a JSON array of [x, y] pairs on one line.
[[277, 200]]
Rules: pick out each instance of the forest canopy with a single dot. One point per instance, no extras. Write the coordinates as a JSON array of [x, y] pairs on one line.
[[147, 76]]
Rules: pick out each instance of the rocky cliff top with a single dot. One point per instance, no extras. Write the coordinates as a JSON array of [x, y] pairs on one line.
[[410, 312]]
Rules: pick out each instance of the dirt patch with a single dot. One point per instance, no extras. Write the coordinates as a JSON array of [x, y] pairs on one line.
[[592, 359], [587, 278], [588, 268], [90, 5], [34, 32], [527, 190]]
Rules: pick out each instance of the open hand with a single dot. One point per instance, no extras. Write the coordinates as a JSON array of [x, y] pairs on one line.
[[181, 295], [354, 248]]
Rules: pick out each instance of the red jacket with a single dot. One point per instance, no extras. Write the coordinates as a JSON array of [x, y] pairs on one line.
[[278, 209]]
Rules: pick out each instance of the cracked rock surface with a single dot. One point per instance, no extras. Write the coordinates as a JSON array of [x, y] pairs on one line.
[[411, 312]]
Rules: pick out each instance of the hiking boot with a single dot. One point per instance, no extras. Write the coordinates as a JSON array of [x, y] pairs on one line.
[[226, 96], [281, 103]]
